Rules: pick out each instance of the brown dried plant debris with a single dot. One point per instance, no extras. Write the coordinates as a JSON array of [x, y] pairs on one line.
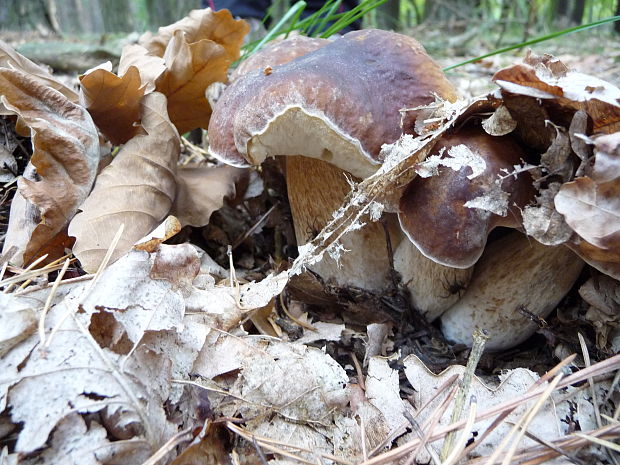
[[584, 111], [137, 189], [113, 101], [219, 27], [591, 207], [10, 59], [60, 173], [180, 61], [190, 69]]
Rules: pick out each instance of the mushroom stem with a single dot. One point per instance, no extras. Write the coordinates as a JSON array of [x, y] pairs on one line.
[[515, 273], [433, 288], [315, 190]]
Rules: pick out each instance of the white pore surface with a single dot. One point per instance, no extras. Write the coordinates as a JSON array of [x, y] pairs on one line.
[[297, 132]]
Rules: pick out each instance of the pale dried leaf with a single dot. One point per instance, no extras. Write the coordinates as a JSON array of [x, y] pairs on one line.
[[17, 321], [494, 201], [300, 384], [543, 222], [223, 353], [591, 207], [547, 79], [71, 376], [113, 102], [201, 190], [458, 157], [190, 69], [218, 26], [553, 420], [138, 301], [383, 391], [74, 443], [150, 66], [500, 122], [377, 334], [137, 189], [11, 59], [61, 171], [323, 331]]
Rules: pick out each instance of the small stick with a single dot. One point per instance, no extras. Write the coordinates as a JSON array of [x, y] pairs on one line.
[[480, 339]]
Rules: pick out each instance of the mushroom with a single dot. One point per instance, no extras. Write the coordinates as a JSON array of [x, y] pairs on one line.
[[331, 109], [441, 228], [444, 229], [515, 274]]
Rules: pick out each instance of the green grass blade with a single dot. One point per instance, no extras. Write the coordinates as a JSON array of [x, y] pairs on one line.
[[536, 40], [352, 15], [294, 11], [325, 20]]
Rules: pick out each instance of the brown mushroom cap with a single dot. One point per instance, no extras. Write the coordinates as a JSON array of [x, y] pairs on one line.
[[432, 210], [339, 103], [279, 52]]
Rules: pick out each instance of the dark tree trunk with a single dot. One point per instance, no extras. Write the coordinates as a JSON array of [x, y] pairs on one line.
[[387, 14], [17, 15], [561, 8], [570, 11], [617, 23], [577, 13]]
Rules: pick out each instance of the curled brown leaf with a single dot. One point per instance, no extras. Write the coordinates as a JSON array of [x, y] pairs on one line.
[[62, 168], [137, 189], [591, 207], [218, 26], [11, 59], [201, 191], [190, 69], [113, 101]]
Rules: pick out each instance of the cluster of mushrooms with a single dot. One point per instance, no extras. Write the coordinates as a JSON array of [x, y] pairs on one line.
[[328, 106]]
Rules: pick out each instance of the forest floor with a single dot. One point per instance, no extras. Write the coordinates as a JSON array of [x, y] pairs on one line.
[[418, 359]]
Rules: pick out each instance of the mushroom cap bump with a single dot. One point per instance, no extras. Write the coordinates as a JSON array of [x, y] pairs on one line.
[[514, 272], [432, 210], [278, 52], [339, 103]]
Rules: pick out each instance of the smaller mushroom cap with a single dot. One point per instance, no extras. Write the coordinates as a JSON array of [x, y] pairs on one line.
[[433, 212]]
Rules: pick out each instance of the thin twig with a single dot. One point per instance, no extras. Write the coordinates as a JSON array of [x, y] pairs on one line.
[[181, 436], [551, 373], [461, 442], [48, 301], [479, 340]]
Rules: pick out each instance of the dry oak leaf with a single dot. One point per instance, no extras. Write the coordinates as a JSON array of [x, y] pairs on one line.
[[150, 66], [548, 79], [113, 101], [72, 374], [591, 207], [190, 69], [137, 189], [219, 27], [201, 191], [62, 168], [11, 59]]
